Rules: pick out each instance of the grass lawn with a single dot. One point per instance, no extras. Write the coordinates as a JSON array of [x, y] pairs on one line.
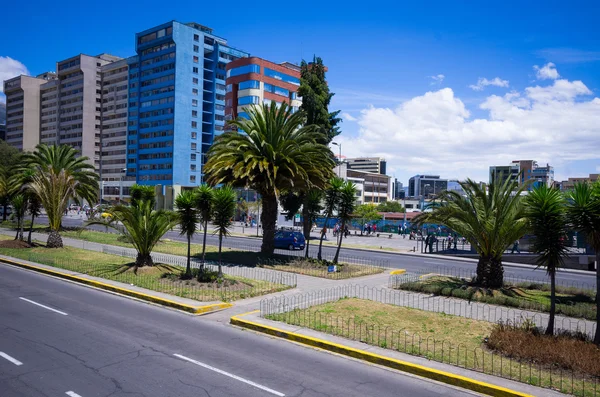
[[435, 336], [229, 255], [161, 278], [532, 296]]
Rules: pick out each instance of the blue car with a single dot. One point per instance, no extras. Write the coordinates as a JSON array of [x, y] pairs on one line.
[[290, 240]]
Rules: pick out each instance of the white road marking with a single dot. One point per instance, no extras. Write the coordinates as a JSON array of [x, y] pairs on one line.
[[72, 394], [9, 358], [44, 306], [231, 375]]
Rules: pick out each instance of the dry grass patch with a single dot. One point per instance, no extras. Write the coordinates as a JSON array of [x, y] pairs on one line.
[[317, 268]]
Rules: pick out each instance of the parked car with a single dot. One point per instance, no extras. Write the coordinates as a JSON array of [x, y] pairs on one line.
[[290, 240]]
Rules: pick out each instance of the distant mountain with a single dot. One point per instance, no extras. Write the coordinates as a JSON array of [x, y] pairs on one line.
[[2, 113]]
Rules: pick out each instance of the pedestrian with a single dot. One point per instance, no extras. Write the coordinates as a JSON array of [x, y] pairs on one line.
[[374, 228], [455, 239], [516, 247], [427, 242]]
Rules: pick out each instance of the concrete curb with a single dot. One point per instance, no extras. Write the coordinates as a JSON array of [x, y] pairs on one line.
[[122, 291], [415, 369]]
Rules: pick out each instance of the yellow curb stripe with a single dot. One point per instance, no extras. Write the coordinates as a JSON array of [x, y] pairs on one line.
[[416, 369], [398, 271], [123, 291]]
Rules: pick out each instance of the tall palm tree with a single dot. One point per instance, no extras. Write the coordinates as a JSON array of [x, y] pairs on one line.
[[546, 212], [60, 175], [203, 201], [490, 219], [35, 210], [332, 198], [19, 204], [346, 205], [583, 210], [141, 224], [223, 212], [187, 215], [311, 208], [273, 153]]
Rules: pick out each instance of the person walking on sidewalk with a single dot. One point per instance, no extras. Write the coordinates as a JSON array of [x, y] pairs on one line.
[[515, 247]]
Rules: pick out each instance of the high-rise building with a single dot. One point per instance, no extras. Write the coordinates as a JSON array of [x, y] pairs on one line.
[[426, 186], [253, 80], [23, 111], [398, 192], [524, 171], [375, 165], [3, 132], [179, 70]]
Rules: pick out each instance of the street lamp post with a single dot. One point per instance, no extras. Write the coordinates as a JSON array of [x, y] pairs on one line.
[[121, 185], [340, 158]]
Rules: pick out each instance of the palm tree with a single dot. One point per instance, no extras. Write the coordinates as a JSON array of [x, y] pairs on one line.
[[203, 201], [142, 193], [141, 224], [312, 207], [35, 209], [546, 213], [491, 220], [332, 198], [346, 205], [188, 221], [19, 203], [273, 153], [223, 212], [583, 211], [59, 176]]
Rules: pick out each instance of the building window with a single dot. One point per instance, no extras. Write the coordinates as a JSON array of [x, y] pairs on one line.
[[193, 157], [281, 76], [194, 124], [243, 70], [248, 100], [193, 146], [194, 102], [195, 80], [196, 48], [194, 113], [193, 178], [244, 85], [196, 37], [196, 59], [194, 135], [195, 70], [192, 167], [195, 91]]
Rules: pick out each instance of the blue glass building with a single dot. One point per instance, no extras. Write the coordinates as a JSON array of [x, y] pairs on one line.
[[176, 102]]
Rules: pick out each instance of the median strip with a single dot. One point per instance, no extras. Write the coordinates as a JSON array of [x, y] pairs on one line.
[[119, 290], [404, 366]]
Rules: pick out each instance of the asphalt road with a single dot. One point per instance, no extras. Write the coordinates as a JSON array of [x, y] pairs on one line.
[[390, 259], [62, 339]]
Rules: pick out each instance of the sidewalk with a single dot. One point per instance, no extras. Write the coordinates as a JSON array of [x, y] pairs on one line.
[[447, 368]]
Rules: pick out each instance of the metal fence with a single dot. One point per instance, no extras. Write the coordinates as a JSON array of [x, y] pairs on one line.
[[298, 310], [253, 273]]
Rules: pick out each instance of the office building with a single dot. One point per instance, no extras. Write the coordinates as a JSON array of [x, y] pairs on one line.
[[375, 165], [524, 171], [253, 80], [180, 69], [3, 132], [426, 186], [23, 111], [570, 183], [370, 187], [398, 192]]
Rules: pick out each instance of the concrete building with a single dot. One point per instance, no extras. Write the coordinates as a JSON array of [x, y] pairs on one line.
[[426, 186], [569, 184], [253, 80], [398, 191], [370, 187], [23, 111], [375, 165], [180, 69], [529, 170]]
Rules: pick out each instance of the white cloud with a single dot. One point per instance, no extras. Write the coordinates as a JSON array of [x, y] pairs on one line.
[[434, 132], [546, 72], [437, 79], [483, 82], [348, 117], [9, 68]]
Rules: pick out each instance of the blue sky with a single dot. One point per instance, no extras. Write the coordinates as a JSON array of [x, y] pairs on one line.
[[381, 60]]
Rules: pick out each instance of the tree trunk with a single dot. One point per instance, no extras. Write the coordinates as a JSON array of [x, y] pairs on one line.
[[597, 336], [550, 327], [307, 245], [306, 225], [54, 240], [144, 260], [30, 229], [204, 245], [188, 267], [18, 228], [268, 219], [340, 235], [321, 238], [4, 212], [220, 245], [22, 227], [490, 273]]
